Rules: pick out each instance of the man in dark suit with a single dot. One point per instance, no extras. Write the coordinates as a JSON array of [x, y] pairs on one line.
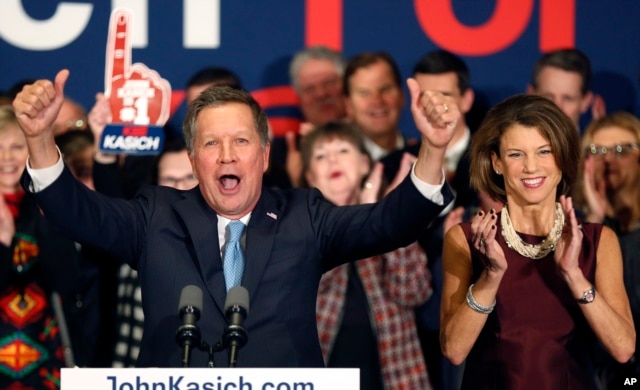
[[176, 238]]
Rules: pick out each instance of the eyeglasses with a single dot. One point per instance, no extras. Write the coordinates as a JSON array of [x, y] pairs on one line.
[[618, 150], [170, 181]]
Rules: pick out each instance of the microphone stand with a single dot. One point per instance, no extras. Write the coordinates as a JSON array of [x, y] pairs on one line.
[[233, 359], [233, 347], [211, 349], [188, 334]]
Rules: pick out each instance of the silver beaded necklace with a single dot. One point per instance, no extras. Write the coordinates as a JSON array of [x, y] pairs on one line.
[[537, 251]]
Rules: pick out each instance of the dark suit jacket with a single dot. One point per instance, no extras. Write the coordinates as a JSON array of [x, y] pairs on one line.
[[293, 236]]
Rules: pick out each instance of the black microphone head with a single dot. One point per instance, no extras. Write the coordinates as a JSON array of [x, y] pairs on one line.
[[236, 307], [237, 296], [188, 334], [190, 296]]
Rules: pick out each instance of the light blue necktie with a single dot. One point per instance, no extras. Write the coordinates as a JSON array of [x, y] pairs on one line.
[[233, 256]]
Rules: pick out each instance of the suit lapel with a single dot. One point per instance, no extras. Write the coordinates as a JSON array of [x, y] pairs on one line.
[[202, 223], [261, 234]]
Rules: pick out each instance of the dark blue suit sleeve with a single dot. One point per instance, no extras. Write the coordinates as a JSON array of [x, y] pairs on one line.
[[88, 217]]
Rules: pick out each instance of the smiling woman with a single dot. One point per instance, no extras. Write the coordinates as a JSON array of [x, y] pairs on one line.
[[13, 152], [566, 273]]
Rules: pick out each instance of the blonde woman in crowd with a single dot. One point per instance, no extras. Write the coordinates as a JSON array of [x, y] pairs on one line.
[[611, 172]]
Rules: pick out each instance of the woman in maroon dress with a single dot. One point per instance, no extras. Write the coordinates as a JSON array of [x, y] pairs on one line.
[[528, 290]]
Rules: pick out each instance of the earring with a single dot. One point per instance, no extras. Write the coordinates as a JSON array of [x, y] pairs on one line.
[[497, 172]]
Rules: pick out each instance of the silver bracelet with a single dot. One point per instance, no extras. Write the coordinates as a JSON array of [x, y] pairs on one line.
[[475, 306]]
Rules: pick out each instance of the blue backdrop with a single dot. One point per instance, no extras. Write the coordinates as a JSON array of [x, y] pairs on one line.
[[499, 41]]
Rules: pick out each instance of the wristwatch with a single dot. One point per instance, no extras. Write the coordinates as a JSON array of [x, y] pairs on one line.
[[587, 296]]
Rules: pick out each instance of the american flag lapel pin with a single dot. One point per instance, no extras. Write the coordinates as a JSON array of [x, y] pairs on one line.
[[272, 215]]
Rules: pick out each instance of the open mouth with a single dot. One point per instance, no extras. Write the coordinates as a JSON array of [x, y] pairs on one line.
[[229, 182]]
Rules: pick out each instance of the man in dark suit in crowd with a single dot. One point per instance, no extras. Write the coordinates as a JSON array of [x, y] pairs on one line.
[[177, 238], [444, 71]]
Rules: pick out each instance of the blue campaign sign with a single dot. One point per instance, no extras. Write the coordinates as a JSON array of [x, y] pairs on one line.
[[499, 40], [132, 139]]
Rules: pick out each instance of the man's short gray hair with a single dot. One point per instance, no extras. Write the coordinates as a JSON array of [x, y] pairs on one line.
[[216, 96], [314, 53]]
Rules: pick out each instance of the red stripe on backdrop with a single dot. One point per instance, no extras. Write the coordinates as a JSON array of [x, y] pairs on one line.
[[281, 125], [323, 21], [277, 96], [280, 96], [557, 24]]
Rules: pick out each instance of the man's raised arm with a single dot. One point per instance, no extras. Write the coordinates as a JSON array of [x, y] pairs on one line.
[[435, 116], [36, 108]]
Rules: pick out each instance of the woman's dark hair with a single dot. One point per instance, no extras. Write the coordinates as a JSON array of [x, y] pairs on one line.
[[529, 111]]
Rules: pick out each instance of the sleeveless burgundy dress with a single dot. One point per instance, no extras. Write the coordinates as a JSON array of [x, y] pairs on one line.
[[536, 337]]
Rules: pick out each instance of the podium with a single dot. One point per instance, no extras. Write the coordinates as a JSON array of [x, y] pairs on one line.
[[210, 378]]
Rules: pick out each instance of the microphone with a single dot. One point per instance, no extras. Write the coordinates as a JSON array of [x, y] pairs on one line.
[[236, 307], [188, 334]]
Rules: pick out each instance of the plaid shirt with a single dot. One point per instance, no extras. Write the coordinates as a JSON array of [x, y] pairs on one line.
[[394, 283]]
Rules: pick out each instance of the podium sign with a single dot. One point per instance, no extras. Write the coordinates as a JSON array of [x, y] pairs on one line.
[[210, 378]]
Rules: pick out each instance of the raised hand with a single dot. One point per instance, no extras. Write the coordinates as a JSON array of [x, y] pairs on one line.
[[293, 163], [594, 191], [483, 239], [38, 104], [294, 158], [136, 93], [100, 115], [435, 115], [36, 108], [372, 185], [570, 243]]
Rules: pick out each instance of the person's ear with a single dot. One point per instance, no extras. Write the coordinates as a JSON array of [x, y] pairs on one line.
[[587, 99], [466, 100], [193, 165], [496, 164], [265, 156]]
